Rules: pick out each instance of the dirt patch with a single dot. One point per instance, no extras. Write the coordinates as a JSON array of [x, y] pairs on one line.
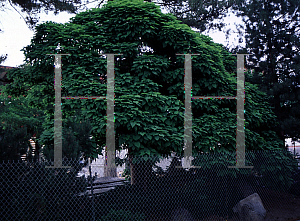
[[279, 207]]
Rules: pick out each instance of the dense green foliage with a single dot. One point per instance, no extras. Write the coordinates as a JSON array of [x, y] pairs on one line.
[[19, 122], [148, 80], [273, 169]]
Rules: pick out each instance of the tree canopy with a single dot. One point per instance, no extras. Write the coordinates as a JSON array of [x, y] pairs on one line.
[[149, 81]]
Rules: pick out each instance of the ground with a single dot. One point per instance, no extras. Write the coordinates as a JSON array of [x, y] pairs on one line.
[[279, 207]]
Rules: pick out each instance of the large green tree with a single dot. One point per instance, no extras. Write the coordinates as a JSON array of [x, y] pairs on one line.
[[149, 81], [273, 40]]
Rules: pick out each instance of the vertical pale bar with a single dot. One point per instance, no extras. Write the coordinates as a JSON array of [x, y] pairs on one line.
[[110, 130], [240, 130], [188, 110], [57, 114]]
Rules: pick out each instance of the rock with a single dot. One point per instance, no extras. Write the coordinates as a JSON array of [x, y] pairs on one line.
[[250, 209], [182, 215]]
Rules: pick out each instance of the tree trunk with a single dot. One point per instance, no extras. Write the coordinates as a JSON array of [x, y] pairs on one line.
[[37, 151], [140, 173], [110, 171], [132, 170]]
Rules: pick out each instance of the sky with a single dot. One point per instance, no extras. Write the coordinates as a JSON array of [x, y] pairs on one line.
[[16, 35]]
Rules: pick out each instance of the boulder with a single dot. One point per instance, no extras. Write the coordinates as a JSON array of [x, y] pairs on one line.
[[250, 209], [182, 215]]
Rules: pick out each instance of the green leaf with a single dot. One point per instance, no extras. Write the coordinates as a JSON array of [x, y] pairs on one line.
[[137, 144], [132, 124], [136, 137]]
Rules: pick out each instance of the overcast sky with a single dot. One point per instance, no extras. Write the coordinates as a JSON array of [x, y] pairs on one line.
[[17, 35]]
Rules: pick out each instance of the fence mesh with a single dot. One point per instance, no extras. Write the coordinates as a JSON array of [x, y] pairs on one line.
[[146, 190]]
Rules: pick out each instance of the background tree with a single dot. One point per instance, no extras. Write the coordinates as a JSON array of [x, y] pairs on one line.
[[32, 8], [203, 15], [76, 136], [77, 141], [149, 78], [3, 58], [272, 39], [19, 123]]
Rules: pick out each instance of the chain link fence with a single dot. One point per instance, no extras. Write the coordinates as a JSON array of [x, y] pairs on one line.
[[147, 189]]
